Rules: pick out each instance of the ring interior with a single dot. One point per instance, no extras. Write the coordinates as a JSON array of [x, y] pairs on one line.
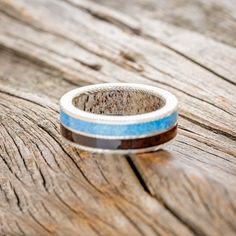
[[118, 101]]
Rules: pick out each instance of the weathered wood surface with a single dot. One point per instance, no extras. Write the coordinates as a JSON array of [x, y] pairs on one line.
[[48, 188], [216, 19]]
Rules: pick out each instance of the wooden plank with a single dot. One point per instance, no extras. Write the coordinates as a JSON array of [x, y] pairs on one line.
[[177, 192], [213, 18], [208, 53]]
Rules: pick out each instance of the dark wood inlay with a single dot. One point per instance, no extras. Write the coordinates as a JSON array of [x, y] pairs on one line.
[[115, 144]]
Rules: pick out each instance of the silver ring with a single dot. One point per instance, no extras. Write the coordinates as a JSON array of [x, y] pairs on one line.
[[118, 117]]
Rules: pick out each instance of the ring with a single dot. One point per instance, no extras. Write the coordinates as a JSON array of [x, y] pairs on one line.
[[118, 117]]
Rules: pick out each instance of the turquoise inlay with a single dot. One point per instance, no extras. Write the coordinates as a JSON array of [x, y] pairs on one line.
[[119, 130]]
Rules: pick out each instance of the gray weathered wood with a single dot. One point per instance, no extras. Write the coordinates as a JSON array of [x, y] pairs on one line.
[[47, 187], [213, 18]]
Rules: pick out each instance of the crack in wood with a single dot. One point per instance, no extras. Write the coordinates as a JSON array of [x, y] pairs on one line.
[[145, 186], [192, 227], [214, 130], [138, 175]]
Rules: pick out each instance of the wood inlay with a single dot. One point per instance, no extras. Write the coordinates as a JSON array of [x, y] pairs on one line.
[[116, 144]]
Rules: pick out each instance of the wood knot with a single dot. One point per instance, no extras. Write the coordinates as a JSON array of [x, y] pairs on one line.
[[132, 59], [128, 56]]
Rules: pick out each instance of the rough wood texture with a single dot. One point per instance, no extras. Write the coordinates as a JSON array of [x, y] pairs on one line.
[[213, 18], [48, 188]]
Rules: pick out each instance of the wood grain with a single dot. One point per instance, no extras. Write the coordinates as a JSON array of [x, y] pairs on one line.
[[213, 18], [49, 188]]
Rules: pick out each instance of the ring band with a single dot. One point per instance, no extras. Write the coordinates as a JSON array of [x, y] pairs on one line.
[[118, 117]]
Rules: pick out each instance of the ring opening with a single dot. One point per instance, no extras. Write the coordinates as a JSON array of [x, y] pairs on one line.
[[118, 101]]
